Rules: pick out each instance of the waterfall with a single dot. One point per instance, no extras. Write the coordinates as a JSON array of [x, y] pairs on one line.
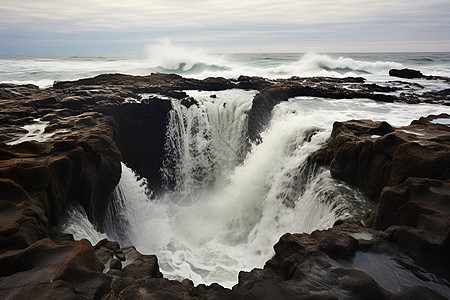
[[205, 141], [227, 202], [227, 205]]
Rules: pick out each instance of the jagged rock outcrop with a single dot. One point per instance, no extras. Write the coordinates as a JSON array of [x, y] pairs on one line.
[[336, 264], [77, 159], [407, 170]]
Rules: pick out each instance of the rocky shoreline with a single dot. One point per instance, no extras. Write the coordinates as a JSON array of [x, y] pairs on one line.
[[86, 130]]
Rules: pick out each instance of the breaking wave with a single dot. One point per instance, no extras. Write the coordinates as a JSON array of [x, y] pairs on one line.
[[169, 58]]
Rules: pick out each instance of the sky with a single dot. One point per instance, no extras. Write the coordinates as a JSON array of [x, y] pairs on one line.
[[130, 26]]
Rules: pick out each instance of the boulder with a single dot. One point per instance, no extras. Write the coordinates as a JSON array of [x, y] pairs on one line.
[[406, 73]]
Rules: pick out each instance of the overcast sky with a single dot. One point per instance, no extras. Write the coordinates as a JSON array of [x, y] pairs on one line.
[[128, 26]]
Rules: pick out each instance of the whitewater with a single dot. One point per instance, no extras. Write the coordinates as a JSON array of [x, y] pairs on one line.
[[226, 201], [43, 70]]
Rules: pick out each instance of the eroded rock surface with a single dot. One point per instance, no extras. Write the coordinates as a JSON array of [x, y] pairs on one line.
[[61, 144], [406, 170]]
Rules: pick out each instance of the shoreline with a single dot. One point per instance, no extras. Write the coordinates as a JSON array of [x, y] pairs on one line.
[[91, 127]]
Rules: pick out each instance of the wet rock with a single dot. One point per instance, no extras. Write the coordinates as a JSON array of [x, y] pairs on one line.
[[406, 73], [351, 156], [85, 168], [253, 83], [406, 169], [373, 87], [265, 101], [372, 155], [174, 94], [143, 266], [188, 102], [46, 269], [216, 84], [115, 264], [142, 136], [12, 91]]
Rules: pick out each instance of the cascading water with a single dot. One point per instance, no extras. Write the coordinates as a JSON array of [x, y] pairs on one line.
[[206, 141], [223, 213], [227, 205]]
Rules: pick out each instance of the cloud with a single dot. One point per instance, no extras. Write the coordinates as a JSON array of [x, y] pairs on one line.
[[251, 22]]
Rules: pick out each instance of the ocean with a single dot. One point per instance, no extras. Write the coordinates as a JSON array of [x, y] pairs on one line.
[[230, 204], [43, 70]]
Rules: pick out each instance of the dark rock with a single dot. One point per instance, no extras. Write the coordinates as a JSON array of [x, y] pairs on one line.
[[188, 102], [53, 174], [216, 84], [373, 87], [174, 94], [406, 169], [265, 101], [115, 264], [142, 136], [359, 284], [253, 83], [371, 155], [406, 73], [46, 269]]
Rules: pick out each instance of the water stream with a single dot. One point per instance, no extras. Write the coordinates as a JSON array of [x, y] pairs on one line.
[[228, 202]]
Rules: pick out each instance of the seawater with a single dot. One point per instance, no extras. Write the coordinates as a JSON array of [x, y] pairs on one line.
[[43, 70], [229, 204]]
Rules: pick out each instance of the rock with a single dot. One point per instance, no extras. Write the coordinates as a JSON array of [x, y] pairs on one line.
[[22, 221], [216, 84], [253, 83], [46, 269], [189, 101], [115, 264], [42, 178], [371, 155], [405, 169], [142, 136], [174, 94], [351, 156], [265, 101], [373, 87], [406, 73]]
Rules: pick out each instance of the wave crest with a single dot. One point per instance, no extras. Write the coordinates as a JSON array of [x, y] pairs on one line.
[[312, 64], [168, 58]]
